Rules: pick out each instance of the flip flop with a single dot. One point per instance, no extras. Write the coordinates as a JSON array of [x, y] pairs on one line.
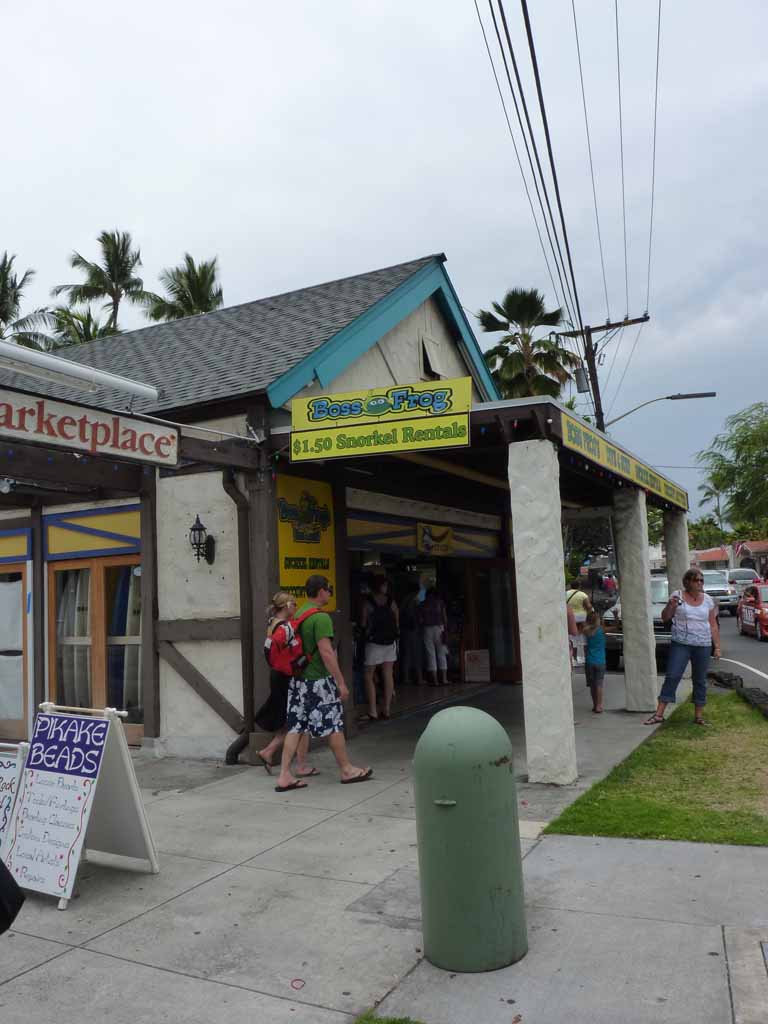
[[308, 774], [266, 765], [368, 718], [699, 721], [653, 720], [298, 784], [362, 777]]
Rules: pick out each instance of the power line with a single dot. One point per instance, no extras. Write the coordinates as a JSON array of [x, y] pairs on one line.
[[543, 110], [566, 288], [517, 155], [632, 352], [653, 161], [563, 285], [621, 150], [591, 165]]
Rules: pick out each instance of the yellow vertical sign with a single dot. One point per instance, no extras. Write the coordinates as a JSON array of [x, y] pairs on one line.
[[305, 534]]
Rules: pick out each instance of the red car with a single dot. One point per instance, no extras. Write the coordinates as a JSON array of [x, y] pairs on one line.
[[752, 612]]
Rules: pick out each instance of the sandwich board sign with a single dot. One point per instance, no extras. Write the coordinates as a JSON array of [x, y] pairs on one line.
[[12, 757], [78, 793]]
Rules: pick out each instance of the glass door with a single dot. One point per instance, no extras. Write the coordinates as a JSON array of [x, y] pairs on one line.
[[13, 653], [94, 637]]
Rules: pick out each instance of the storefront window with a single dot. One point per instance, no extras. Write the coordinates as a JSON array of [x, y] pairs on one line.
[[11, 647], [95, 638], [73, 637]]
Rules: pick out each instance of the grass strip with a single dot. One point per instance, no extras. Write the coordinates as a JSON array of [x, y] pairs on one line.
[[705, 785]]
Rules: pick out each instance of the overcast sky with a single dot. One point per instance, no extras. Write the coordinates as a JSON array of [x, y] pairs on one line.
[[308, 141]]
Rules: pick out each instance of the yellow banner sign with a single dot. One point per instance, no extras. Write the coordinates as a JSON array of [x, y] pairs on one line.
[[416, 435], [425, 400], [434, 539], [305, 537], [591, 445]]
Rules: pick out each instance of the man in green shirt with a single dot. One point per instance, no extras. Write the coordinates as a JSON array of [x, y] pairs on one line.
[[315, 700]]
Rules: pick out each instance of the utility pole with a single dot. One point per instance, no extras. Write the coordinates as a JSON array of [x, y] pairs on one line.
[[590, 353]]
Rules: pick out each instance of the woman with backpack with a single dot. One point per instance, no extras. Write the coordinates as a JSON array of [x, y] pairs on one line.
[[381, 624], [281, 648]]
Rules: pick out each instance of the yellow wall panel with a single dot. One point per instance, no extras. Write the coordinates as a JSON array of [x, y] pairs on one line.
[[13, 547], [63, 542], [127, 523]]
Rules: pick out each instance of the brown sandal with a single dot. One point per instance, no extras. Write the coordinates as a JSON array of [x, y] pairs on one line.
[[653, 720]]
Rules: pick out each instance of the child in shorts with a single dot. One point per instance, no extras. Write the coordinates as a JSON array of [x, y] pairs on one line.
[[594, 667]]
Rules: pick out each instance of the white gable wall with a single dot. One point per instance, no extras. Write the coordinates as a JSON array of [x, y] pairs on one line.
[[397, 357]]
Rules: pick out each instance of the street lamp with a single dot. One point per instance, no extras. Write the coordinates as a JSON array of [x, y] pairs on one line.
[[664, 398]]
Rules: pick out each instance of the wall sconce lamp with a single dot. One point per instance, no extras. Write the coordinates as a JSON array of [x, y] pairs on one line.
[[203, 545]]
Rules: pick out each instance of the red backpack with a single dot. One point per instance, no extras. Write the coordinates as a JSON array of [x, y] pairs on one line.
[[284, 650]]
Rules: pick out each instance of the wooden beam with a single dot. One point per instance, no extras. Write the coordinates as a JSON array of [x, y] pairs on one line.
[[150, 669], [203, 688], [227, 454], [39, 624], [32, 462], [442, 466], [174, 631]]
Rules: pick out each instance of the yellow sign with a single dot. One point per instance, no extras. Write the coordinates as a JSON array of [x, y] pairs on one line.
[[440, 432], [593, 446], [401, 418], [305, 537], [426, 399], [433, 539]]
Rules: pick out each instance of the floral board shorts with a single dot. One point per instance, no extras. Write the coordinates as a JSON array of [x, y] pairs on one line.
[[315, 707]]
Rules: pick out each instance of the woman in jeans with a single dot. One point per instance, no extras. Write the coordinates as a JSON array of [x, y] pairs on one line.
[[695, 634]]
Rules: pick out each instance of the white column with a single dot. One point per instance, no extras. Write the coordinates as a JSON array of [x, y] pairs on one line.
[[676, 547], [534, 483], [630, 525]]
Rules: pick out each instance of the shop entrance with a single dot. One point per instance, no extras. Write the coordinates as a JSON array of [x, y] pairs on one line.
[[480, 641]]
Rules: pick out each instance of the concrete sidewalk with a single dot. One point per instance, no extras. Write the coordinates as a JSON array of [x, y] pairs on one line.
[[304, 907]]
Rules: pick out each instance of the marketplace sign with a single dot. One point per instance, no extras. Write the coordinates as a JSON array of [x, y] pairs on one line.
[[61, 425], [596, 448], [306, 542], [381, 421]]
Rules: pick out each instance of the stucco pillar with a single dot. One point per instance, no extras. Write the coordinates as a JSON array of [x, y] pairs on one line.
[[534, 483], [676, 547], [630, 525]]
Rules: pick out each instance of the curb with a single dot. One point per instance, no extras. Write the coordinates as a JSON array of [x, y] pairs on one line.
[[753, 695]]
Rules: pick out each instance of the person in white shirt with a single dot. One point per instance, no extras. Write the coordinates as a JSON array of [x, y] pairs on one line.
[[695, 637]]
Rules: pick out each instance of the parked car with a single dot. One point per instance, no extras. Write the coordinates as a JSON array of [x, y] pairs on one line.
[[752, 615], [743, 578], [723, 593], [614, 637]]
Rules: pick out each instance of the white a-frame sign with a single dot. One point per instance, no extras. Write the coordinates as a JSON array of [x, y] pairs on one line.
[[12, 758], [78, 793]]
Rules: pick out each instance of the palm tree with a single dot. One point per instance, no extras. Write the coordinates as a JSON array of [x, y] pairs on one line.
[[75, 327], [711, 493], [21, 330], [114, 279], [191, 289], [520, 364]]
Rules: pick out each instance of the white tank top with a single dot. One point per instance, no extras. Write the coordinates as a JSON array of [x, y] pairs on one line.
[[691, 622]]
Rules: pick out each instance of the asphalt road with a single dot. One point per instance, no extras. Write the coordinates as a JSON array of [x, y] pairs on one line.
[[744, 649]]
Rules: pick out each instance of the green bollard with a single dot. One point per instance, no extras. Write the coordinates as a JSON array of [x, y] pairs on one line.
[[473, 916]]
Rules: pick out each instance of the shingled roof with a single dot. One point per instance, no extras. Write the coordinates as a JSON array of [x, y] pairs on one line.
[[231, 352]]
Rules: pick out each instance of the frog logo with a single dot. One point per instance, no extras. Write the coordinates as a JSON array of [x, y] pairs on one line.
[[377, 405]]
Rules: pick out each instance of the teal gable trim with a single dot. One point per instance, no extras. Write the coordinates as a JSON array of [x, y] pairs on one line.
[[340, 351]]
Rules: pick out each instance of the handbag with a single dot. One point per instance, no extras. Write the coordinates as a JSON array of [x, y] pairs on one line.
[[11, 899]]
